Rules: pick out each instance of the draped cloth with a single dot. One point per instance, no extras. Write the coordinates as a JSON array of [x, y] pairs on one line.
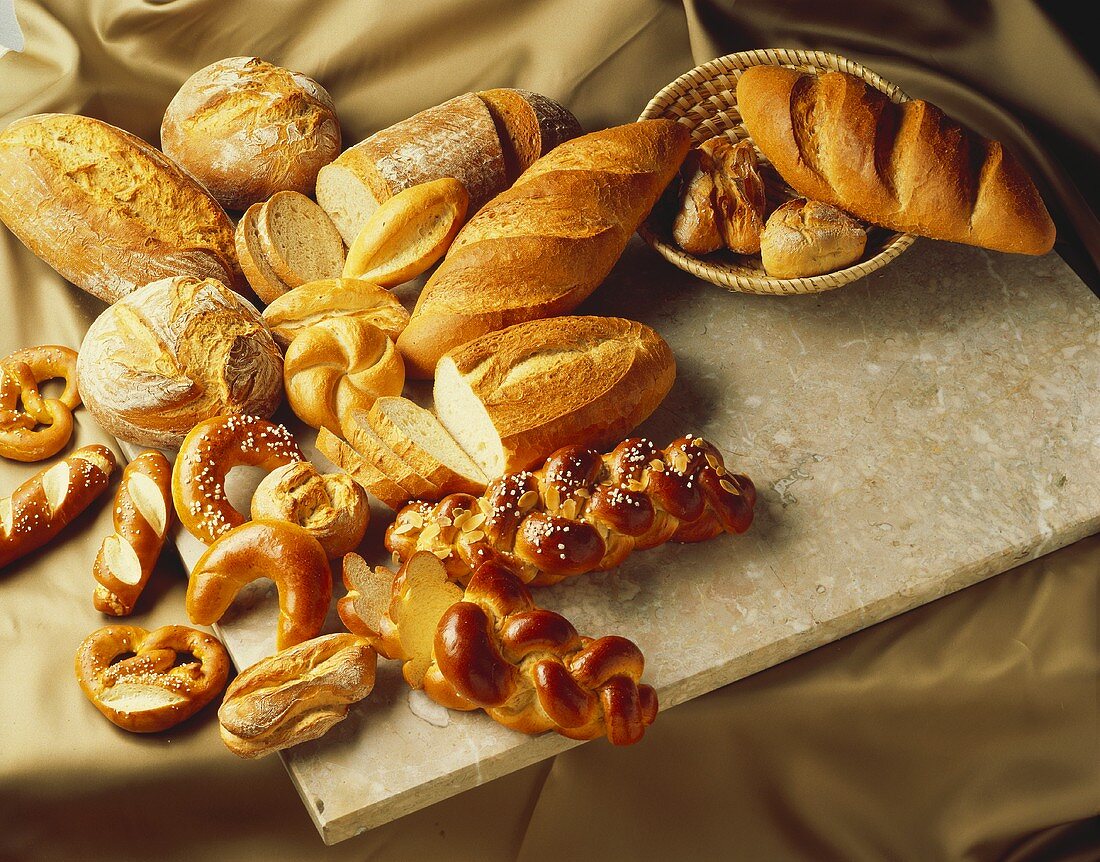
[[966, 729]]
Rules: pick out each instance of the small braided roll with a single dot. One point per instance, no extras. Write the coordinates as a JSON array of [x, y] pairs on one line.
[[581, 511], [491, 647]]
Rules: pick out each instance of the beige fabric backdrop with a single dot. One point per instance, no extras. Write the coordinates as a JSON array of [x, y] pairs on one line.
[[966, 729]]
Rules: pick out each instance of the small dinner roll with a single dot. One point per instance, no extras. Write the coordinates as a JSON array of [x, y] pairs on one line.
[[247, 129], [804, 238]]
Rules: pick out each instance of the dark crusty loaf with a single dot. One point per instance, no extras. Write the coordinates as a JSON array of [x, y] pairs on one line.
[[907, 167], [541, 247]]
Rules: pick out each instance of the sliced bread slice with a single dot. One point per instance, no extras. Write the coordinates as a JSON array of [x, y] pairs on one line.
[[366, 474], [365, 440], [266, 284], [298, 239], [418, 438]]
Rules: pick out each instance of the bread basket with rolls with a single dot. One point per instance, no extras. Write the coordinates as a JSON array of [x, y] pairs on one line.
[[705, 100]]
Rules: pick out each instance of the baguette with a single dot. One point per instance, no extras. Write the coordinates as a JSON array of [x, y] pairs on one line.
[[143, 513], [108, 211], [46, 503], [540, 248], [907, 167], [512, 397]]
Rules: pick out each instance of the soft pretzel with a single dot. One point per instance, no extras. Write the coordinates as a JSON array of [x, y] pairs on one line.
[[491, 647], [45, 504], [143, 513], [581, 511], [332, 507], [20, 374], [281, 551], [149, 691], [209, 452], [296, 695]]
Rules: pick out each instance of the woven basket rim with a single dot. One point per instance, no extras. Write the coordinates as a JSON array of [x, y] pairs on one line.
[[702, 77]]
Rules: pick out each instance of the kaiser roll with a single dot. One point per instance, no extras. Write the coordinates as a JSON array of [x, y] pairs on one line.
[[805, 238], [173, 353]]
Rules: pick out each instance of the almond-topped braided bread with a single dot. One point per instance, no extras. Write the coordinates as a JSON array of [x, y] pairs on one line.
[[491, 647], [581, 511]]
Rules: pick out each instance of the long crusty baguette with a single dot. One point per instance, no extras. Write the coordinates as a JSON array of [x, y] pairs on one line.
[[106, 210], [907, 167], [475, 138], [541, 247], [46, 503], [510, 398]]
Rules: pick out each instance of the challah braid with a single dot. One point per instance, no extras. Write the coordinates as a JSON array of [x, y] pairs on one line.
[[491, 647], [581, 511]]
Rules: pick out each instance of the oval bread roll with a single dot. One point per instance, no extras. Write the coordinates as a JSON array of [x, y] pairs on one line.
[[512, 397], [247, 129], [108, 211], [174, 353], [338, 366], [331, 298], [804, 238]]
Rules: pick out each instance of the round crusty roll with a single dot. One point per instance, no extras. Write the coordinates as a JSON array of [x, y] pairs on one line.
[[332, 507], [247, 129], [804, 238], [339, 366], [296, 695], [285, 553], [173, 353]]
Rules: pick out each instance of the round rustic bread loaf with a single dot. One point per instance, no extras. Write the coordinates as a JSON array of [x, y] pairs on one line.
[[246, 129], [173, 353]]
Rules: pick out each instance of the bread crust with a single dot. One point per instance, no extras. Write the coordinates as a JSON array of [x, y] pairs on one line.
[[805, 238], [330, 298], [907, 167]]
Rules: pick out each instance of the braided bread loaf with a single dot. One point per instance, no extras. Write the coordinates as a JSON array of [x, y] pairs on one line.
[[491, 647], [581, 511]]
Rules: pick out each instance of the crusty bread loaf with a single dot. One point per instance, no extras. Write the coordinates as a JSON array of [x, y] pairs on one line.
[[174, 353], [330, 298], [907, 167], [541, 247], [805, 238], [456, 139], [265, 283], [108, 211], [529, 126], [247, 129], [298, 240], [512, 397]]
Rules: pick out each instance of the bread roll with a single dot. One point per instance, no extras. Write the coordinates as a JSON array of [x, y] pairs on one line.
[[804, 238], [540, 248], [174, 353], [338, 366], [247, 129], [907, 167], [512, 397], [330, 298], [106, 210], [724, 200]]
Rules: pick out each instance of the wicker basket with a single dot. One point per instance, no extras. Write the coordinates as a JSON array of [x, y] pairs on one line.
[[705, 100]]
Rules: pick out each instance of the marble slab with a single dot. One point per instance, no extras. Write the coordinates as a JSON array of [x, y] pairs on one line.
[[913, 433]]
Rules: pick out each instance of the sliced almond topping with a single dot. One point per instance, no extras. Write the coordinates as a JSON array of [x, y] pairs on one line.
[[442, 552], [714, 462], [569, 509], [475, 536], [415, 518], [553, 498], [658, 465], [55, 485], [728, 486], [406, 527], [430, 532], [485, 506], [148, 500], [473, 522], [6, 515], [529, 499], [444, 521], [460, 519]]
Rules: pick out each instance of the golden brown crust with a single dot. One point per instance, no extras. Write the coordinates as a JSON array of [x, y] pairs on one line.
[[541, 247], [148, 692], [331, 298], [581, 511], [723, 199], [142, 517], [21, 438], [108, 211], [907, 167], [296, 695], [279, 550], [805, 238]]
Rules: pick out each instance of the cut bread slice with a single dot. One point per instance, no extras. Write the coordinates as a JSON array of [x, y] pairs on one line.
[[298, 239], [266, 284], [418, 438], [529, 126], [365, 440], [366, 474]]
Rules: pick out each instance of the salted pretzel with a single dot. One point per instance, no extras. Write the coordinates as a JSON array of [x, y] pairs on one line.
[[581, 511], [491, 647], [279, 550], [151, 690], [213, 448], [44, 426], [143, 514]]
